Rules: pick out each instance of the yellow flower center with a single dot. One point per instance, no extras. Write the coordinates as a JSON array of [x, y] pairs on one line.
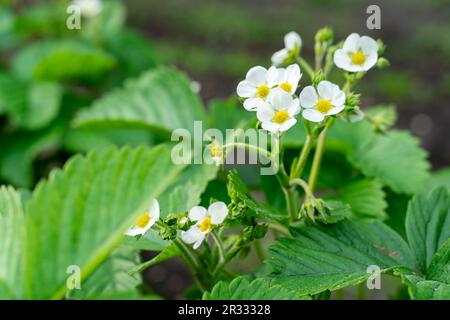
[[324, 105], [214, 150], [205, 225], [280, 117], [358, 58], [286, 86], [143, 220], [262, 91]]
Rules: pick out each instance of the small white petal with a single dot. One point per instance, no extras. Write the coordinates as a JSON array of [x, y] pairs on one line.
[[272, 77], [292, 41], [287, 125], [371, 60], [252, 104], [257, 76], [367, 45], [335, 110], [281, 99], [342, 59], [338, 99], [192, 235], [154, 213], [270, 126], [312, 115], [293, 75], [197, 213], [351, 43], [279, 57], [246, 90], [308, 97], [294, 107], [218, 211], [198, 243], [327, 90], [265, 112]]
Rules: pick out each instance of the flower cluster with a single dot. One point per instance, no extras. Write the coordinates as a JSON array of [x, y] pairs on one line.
[[201, 221], [272, 92]]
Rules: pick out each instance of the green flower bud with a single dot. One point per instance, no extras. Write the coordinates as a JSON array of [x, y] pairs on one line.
[[352, 100], [167, 232], [318, 76], [381, 47], [324, 35], [383, 63], [171, 219]]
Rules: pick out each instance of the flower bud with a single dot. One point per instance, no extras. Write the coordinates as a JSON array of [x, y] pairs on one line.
[[324, 35], [383, 63]]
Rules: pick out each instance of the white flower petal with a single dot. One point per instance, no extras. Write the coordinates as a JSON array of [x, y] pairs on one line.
[[294, 107], [371, 60], [338, 99], [134, 232], [252, 104], [246, 90], [292, 40], [154, 213], [198, 243], [342, 59], [351, 43], [197, 213], [335, 110], [193, 235], [287, 125], [218, 211], [367, 45], [281, 99], [257, 76], [312, 115], [272, 77], [279, 57], [265, 112], [293, 75], [308, 97], [270, 126], [327, 90]]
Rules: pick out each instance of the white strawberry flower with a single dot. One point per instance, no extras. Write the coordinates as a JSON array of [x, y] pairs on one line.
[[145, 221], [358, 53], [205, 220], [278, 114], [288, 78], [89, 8], [292, 46], [327, 100], [257, 86], [216, 152]]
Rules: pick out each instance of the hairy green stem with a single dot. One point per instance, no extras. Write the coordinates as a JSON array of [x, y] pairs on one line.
[[297, 171], [318, 156], [190, 260], [249, 147]]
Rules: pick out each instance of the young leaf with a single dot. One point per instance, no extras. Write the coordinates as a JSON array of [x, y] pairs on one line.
[[12, 232], [242, 289], [331, 257], [161, 100], [79, 216], [428, 224]]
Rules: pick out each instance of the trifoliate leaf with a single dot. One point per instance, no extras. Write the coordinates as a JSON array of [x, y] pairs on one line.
[[160, 100], [242, 289], [331, 257], [428, 224]]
